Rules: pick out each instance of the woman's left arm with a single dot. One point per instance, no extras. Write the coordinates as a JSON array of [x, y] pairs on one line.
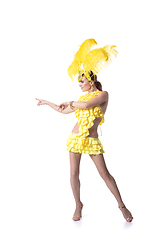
[[101, 98]]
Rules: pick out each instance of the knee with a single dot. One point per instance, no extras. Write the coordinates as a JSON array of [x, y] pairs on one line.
[[105, 175], [74, 174]]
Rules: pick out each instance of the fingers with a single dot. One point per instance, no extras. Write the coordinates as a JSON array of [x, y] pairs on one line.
[[39, 103], [62, 107]]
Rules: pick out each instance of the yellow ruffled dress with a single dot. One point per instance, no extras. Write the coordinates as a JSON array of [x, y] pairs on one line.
[[81, 143]]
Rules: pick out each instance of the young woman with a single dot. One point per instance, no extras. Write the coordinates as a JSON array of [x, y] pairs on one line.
[[89, 111], [84, 139]]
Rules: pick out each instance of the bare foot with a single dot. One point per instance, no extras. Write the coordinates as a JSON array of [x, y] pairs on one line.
[[126, 213], [78, 212]]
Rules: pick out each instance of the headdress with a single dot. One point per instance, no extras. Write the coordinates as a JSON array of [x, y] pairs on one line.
[[91, 62]]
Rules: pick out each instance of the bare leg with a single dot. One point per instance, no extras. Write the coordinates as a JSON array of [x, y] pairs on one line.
[[75, 183], [111, 184]]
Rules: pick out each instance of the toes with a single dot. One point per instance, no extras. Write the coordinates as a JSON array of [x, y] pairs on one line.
[[76, 219], [129, 219]]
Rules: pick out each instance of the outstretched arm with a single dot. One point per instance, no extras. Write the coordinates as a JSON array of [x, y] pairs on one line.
[[54, 106]]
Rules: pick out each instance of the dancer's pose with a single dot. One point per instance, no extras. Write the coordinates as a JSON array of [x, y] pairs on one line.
[[89, 110]]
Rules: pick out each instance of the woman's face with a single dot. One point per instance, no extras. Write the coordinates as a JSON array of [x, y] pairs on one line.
[[84, 84]]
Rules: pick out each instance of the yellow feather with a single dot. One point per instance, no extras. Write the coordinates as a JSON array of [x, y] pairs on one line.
[[110, 49], [80, 56], [84, 49], [95, 60]]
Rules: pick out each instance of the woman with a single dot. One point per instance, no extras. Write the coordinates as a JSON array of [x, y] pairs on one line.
[[89, 111]]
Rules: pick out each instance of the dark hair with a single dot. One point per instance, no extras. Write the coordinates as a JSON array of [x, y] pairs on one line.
[[97, 83]]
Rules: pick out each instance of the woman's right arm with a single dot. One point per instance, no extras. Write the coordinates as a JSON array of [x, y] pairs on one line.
[[54, 106]]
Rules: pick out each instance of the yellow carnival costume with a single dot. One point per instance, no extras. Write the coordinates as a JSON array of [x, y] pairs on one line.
[[89, 63], [80, 143]]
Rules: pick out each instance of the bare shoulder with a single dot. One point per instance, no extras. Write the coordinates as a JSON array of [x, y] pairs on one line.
[[105, 92], [104, 95]]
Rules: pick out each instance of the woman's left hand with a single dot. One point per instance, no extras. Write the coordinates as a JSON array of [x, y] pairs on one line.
[[63, 106]]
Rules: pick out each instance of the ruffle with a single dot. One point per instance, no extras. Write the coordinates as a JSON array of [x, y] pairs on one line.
[[87, 116], [87, 97], [87, 145]]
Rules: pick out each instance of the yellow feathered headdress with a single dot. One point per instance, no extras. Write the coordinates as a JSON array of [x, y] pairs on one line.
[[87, 60]]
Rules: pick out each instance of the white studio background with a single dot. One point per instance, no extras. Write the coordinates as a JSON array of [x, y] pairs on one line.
[[37, 42]]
